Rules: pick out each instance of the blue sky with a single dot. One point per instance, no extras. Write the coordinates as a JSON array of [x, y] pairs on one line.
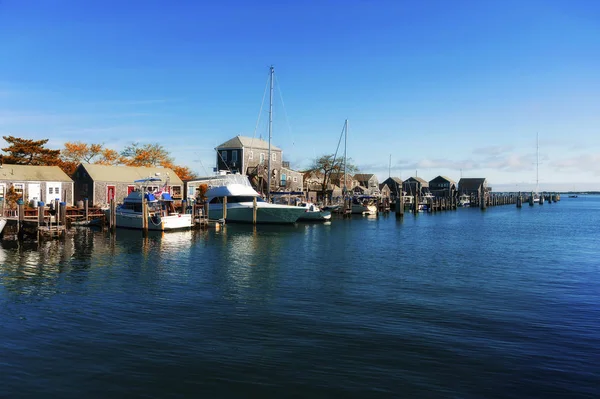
[[444, 87]]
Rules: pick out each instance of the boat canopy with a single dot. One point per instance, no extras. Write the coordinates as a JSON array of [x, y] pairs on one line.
[[147, 180]]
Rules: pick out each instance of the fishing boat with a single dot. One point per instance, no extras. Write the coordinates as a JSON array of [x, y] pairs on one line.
[[161, 212], [364, 205], [313, 213], [232, 198], [464, 200]]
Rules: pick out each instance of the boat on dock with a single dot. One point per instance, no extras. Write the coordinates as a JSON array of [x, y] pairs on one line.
[[161, 214], [231, 197]]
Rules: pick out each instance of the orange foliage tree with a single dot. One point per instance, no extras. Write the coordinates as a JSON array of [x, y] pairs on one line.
[[77, 152], [29, 152], [154, 155]]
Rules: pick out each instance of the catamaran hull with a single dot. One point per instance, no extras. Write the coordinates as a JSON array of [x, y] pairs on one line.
[[165, 223], [240, 213]]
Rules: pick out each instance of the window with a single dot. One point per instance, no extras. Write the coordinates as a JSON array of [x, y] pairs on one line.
[[234, 156], [224, 155], [251, 155], [262, 157], [19, 189], [283, 179], [176, 192], [295, 179], [274, 156]]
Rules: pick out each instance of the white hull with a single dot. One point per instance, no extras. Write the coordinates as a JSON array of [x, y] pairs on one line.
[[2, 224], [364, 209], [242, 212], [315, 216], [130, 220]]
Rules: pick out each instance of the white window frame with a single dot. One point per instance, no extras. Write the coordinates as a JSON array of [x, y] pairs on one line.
[[295, 179], [3, 190], [250, 155], [262, 157], [20, 186], [274, 156]]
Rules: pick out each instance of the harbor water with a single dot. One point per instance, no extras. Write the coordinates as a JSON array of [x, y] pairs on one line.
[[501, 303]]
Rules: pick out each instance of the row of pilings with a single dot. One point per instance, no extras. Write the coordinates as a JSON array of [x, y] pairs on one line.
[[483, 201]]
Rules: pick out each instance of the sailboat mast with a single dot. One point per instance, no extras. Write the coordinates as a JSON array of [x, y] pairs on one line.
[[271, 72], [345, 145], [537, 163]]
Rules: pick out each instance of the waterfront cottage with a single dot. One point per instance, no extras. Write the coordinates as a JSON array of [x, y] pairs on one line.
[[101, 183], [249, 156], [369, 181], [394, 184], [472, 186], [442, 187], [415, 185], [36, 183]]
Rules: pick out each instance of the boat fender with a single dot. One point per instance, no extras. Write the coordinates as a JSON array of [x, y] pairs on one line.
[[155, 219]]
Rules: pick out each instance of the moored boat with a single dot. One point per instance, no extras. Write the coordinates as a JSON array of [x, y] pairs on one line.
[[231, 197], [313, 213], [161, 212]]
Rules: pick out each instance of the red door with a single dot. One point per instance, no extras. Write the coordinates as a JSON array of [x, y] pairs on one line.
[[110, 193], [130, 189]]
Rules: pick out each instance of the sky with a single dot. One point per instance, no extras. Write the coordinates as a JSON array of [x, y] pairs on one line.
[[453, 88]]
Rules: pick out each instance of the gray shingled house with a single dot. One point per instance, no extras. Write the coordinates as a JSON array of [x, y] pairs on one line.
[[369, 181], [442, 187], [394, 184], [472, 185], [32, 182], [249, 156], [100, 183], [415, 185]]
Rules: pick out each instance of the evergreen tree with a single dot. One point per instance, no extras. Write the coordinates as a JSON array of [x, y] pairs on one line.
[[29, 152]]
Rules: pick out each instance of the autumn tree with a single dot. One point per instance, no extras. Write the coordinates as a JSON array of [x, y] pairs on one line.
[[77, 152], [154, 155], [183, 172], [146, 155], [29, 152], [11, 198], [330, 165]]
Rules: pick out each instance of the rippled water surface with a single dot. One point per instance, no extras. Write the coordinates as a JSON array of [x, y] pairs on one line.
[[464, 304]]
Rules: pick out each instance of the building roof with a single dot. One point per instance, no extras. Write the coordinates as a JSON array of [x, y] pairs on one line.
[[396, 180], [443, 178], [363, 176], [128, 174], [470, 183], [246, 142], [420, 180], [33, 173]]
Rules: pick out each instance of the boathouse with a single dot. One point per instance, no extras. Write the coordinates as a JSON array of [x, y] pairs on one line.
[[394, 184], [442, 187], [369, 182], [415, 185], [100, 183], [39, 183], [472, 185]]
